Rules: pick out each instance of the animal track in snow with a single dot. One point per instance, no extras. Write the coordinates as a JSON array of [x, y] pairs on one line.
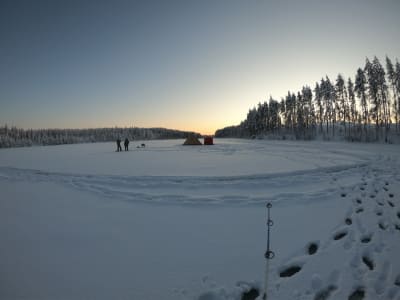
[[391, 195], [358, 201], [390, 203]]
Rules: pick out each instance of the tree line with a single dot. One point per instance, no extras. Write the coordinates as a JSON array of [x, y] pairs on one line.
[[17, 137], [364, 109]]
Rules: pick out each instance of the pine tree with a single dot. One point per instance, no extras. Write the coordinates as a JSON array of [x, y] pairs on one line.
[[352, 100], [308, 110], [340, 97], [384, 100], [360, 88], [392, 81], [397, 100], [319, 105]]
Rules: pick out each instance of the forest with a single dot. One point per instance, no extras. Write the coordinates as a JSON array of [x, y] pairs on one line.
[[17, 137], [366, 109]]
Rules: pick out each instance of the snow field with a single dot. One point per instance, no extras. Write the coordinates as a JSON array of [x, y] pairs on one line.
[[174, 222]]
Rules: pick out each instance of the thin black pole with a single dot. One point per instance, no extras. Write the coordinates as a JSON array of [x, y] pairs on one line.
[[268, 254]]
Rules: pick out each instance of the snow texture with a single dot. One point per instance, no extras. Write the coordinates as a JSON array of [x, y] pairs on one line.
[[174, 222]]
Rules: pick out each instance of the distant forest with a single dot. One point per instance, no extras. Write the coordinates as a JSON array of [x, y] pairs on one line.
[[366, 109], [16, 137]]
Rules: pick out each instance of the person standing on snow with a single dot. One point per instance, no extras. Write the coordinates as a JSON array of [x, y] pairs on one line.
[[126, 144], [119, 148]]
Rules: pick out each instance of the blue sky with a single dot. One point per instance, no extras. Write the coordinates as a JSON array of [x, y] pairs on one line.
[[193, 65]]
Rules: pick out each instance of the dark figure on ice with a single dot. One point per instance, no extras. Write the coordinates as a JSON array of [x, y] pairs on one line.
[[126, 144], [119, 148]]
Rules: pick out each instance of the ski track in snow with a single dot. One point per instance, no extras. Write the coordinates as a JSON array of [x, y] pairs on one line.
[[303, 186]]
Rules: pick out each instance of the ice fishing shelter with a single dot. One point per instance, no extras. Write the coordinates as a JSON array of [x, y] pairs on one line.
[[192, 140], [208, 140]]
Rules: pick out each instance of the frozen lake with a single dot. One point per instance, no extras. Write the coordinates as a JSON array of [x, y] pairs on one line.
[[181, 222]]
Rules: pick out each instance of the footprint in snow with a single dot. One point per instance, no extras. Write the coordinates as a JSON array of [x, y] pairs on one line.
[[390, 203], [358, 294], [348, 221], [325, 293], [312, 248], [290, 271], [339, 235], [378, 211], [359, 210], [397, 280], [365, 239], [391, 195], [368, 262], [358, 201], [251, 294], [383, 225]]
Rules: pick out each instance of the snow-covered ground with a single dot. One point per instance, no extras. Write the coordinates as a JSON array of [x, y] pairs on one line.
[[189, 222]]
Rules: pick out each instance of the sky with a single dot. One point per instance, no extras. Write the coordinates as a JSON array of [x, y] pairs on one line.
[[189, 65]]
